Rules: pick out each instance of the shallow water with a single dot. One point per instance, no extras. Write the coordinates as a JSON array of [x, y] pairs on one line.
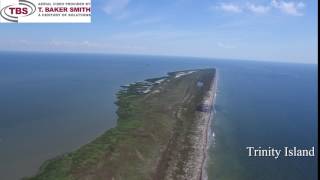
[[54, 103]]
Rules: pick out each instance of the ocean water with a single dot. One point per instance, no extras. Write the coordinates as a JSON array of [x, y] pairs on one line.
[[266, 105], [54, 103]]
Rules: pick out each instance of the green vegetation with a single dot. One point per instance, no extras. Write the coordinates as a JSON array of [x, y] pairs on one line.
[[152, 127]]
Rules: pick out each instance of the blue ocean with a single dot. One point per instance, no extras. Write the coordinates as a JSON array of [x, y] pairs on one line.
[[53, 103]]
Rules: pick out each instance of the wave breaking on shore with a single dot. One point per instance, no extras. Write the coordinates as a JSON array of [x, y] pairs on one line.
[[209, 132]]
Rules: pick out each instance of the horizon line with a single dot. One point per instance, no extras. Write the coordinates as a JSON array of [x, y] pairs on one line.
[[161, 55]]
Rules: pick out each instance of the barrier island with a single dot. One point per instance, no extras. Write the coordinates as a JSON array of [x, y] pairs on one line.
[[161, 134]]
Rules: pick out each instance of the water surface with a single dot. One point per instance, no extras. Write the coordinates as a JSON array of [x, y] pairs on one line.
[[54, 103]]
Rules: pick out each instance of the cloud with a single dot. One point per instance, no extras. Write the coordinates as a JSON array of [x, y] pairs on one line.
[[104, 47], [289, 7], [116, 7], [230, 7], [258, 9], [151, 36], [225, 46], [64, 43], [149, 20]]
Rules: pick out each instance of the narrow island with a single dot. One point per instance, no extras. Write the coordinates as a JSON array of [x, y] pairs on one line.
[[161, 134]]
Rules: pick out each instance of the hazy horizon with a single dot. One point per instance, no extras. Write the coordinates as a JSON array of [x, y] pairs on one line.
[[169, 56], [268, 30]]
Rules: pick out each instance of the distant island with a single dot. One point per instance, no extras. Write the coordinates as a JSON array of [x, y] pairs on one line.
[[162, 133]]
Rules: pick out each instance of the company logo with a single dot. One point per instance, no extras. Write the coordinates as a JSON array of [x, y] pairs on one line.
[[45, 11], [12, 12]]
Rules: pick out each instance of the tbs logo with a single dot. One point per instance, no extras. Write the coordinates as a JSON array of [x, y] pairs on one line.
[[11, 13]]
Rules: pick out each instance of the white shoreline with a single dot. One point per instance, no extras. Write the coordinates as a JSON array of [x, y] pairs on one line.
[[212, 93]]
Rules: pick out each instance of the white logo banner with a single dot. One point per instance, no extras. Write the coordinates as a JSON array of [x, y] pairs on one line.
[[45, 11]]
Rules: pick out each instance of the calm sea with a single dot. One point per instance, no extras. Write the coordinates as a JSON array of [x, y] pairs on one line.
[[54, 103]]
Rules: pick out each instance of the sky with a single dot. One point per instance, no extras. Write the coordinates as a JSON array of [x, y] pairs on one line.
[[266, 30]]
